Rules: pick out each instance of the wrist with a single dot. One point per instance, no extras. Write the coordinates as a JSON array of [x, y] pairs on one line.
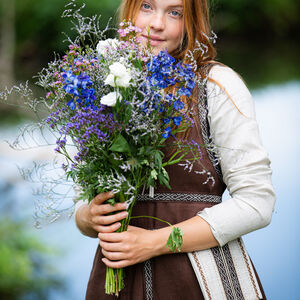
[[160, 238], [83, 221]]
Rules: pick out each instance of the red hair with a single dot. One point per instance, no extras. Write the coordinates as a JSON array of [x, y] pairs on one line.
[[196, 28]]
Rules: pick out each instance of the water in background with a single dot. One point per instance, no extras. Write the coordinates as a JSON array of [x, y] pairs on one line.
[[272, 249]]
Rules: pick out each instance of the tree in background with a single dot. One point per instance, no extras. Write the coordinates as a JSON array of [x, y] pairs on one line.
[[263, 18], [7, 42], [25, 272]]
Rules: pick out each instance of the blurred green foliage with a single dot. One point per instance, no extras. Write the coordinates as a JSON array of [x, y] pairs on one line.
[[40, 28], [263, 23], [39, 24], [25, 272], [278, 18]]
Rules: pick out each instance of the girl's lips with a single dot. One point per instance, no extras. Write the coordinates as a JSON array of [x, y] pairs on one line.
[[153, 40]]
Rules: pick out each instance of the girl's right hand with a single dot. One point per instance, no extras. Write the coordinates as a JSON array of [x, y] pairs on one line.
[[93, 218]]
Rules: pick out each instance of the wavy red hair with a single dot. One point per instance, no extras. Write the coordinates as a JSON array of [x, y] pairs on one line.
[[196, 27]]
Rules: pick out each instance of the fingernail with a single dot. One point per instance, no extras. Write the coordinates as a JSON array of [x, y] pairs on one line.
[[111, 194], [125, 214], [126, 205]]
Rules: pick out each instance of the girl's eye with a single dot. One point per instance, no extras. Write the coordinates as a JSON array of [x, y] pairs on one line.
[[176, 13], [146, 6]]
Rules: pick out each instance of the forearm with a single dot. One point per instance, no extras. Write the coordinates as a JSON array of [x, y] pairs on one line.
[[197, 235], [81, 218]]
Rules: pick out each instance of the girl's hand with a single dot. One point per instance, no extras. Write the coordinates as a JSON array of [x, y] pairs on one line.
[[97, 213], [127, 248], [92, 218]]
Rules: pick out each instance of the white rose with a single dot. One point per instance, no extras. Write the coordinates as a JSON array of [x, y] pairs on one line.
[[104, 46], [119, 76], [110, 99]]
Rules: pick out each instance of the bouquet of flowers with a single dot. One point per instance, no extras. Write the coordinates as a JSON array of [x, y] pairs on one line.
[[118, 105]]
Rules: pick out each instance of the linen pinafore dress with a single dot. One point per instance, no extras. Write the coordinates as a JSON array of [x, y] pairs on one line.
[[172, 276]]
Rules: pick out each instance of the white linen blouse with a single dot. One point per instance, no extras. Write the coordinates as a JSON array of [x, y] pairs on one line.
[[244, 162]]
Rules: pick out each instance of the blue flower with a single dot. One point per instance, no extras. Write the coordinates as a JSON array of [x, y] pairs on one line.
[[167, 132], [178, 105], [161, 70], [79, 87], [166, 120], [177, 120], [169, 98], [71, 104]]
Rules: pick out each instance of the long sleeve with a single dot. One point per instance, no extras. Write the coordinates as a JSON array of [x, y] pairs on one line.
[[244, 162]]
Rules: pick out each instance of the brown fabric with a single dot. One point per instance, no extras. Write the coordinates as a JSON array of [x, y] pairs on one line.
[[172, 275], [183, 181]]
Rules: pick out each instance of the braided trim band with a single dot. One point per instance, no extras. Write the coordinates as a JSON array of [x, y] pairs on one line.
[[181, 197], [203, 276], [148, 279], [248, 267]]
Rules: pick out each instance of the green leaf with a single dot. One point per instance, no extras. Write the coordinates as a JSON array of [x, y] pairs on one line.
[[164, 180], [120, 145], [111, 201], [158, 159], [175, 240]]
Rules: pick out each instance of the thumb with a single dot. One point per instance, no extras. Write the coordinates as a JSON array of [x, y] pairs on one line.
[[102, 197]]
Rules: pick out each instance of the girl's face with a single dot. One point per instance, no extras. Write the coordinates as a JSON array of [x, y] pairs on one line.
[[162, 22]]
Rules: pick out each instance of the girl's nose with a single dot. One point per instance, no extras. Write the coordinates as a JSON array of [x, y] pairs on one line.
[[157, 22]]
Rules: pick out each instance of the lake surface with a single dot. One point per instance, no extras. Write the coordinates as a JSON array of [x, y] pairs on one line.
[[274, 249]]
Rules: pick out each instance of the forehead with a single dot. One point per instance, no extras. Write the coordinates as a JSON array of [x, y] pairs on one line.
[[166, 2]]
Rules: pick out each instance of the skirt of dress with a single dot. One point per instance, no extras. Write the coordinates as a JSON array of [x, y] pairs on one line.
[[161, 278]]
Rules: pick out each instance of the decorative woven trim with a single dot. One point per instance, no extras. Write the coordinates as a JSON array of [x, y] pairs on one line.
[[203, 112], [203, 277], [225, 273], [180, 197], [248, 267], [232, 272], [148, 279]]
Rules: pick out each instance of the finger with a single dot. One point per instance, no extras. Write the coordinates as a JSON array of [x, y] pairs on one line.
[[108, 228], [113, 256], [107, 220], [112, 247], [116, 264], [100, 198], [111, 237], [104, 209], [108, 208]]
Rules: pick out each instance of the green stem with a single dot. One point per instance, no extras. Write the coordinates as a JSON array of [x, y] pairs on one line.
[[168, 163], [149, 217]]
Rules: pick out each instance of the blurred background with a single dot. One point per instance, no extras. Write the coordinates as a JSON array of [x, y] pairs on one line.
[[260, 39]]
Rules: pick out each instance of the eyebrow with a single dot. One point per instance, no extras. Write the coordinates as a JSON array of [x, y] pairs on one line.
[[170, 6]]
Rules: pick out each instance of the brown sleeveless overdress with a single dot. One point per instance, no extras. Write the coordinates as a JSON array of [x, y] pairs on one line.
[[170, 276]]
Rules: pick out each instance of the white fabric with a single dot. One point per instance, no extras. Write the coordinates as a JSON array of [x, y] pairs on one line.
[[244, 162], [221, 277]]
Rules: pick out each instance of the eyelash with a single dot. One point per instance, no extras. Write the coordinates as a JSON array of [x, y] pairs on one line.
[[179, 14], [147, 7], [146, 4]]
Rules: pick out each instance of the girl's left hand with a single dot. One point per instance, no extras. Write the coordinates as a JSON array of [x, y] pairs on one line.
[[122, 249]]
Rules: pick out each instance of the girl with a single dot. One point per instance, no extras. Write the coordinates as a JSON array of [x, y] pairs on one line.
[[217, 265]]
